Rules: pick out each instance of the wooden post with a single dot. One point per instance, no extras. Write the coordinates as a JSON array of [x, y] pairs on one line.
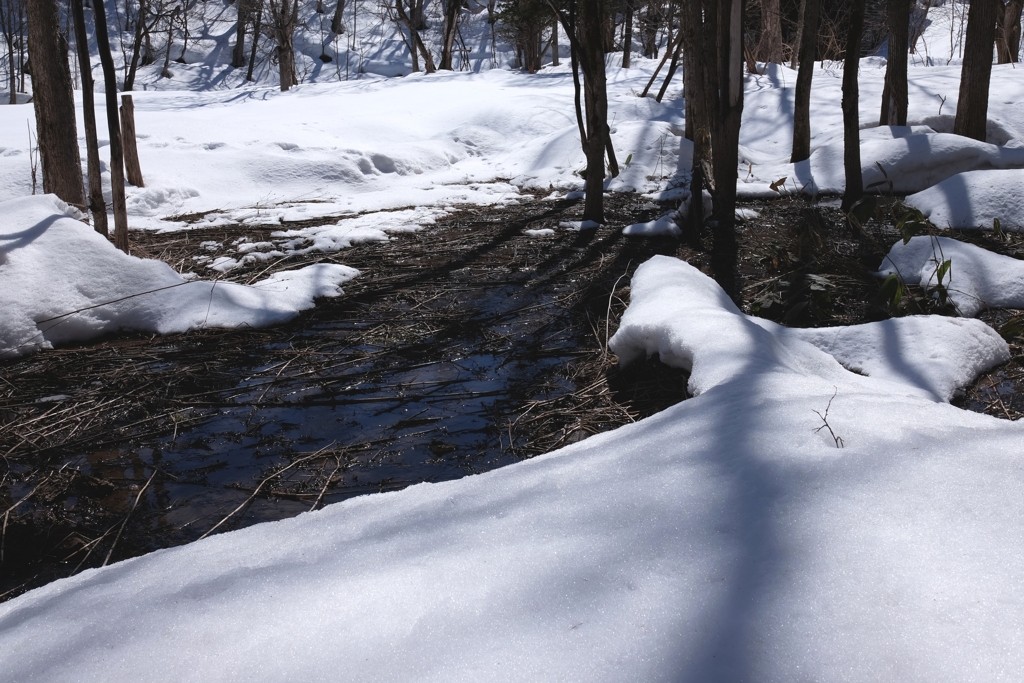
[[131, 150]]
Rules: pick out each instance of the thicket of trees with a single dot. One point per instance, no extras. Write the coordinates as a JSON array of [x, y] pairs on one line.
[[715, 40]]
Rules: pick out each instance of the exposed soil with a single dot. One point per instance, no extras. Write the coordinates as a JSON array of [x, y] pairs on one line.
[[460, 348]]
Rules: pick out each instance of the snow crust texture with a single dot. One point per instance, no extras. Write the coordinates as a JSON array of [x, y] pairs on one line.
[[61, 281], [723, 539], [977, 278]]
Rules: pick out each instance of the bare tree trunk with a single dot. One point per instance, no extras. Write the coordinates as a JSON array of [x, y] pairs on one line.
[[804, 78], [851, 119], [1012, 24], [769, 47], [256, 28], [54, 104], [452, 12], [140, 24], [285, 18], [337, 22], [238, 53], [591, 38], [798, 38], [554, 43], [166, 72], [894, 94], [972, 106], [1008, 32], [672, 66], [9, 12], [699, 77], [131, 149], [669, 51], [96, 204], [113, 129], [725, 144], [627, 35]]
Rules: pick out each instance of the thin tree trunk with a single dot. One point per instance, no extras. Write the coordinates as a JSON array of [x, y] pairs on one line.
[[698, 114], [451, 25], [113, 129], [972, 106], [166, 72], [804, 78], [1008, 32], [851, 119], [337, 24], [725, 143], [1012, 24], [673, 65], [591, 38], [238, 53], [669, 51], [581, 122], [131, 149], [256, 28], [769, 47], [798, 38], [96, 204], [554, 43], [54, 104], [894, 94], [627, 35], [129, 81]]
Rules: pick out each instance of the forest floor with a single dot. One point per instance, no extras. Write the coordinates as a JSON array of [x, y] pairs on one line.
[[462, 347]]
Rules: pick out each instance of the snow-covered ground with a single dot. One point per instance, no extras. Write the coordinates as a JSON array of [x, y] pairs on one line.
[[727, 538], [817, 511]]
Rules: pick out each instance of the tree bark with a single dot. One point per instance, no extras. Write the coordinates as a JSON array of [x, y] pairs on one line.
[[284, 18], [113, 130], [698, 80], [802, 101], [851, 119], [894, 93], [672, 66], [97, 206], [1008, 32], [54, 104], [166, 71], [591, 38], [129, 81], [972, 106], [337, 24], [238, 53], [627, 35], [725, 145], [554, 43], [452, 11], [131, 150], [257, 26], [769, 47]]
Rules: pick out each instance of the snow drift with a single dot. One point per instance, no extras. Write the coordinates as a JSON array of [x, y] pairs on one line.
[[60, 281]]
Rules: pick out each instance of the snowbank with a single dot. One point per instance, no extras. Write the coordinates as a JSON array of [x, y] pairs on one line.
[[977, 279], [60, 281], [975, 199], [894, 159], [723, 539]]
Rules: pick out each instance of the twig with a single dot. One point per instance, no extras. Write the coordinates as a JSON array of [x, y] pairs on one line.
[[824, 418], [124, 523]]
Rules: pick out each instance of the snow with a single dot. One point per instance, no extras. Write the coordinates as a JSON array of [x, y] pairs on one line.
[[726, 538], [722, 539], [61, 281], [977, 278], [975, 199], [665, 225]]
